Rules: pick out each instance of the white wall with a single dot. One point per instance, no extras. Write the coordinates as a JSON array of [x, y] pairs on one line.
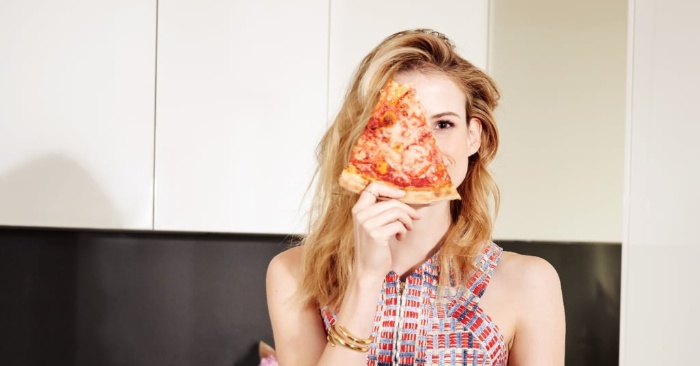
[[561, 69], [661, 247]]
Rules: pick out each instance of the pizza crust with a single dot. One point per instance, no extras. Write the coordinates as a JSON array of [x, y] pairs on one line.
[[356, 183], [421, 197], [352, 181]]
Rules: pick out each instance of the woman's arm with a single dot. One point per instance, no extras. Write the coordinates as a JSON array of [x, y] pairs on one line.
[[300, 337], [540, 329], [298, 329]]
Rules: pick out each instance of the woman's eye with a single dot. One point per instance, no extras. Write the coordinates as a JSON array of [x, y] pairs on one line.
[[441, 125]]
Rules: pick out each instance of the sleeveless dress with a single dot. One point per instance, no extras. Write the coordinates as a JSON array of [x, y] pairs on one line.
[[412, 328]]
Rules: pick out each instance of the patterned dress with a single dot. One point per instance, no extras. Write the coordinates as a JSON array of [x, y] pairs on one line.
[[412, 328]]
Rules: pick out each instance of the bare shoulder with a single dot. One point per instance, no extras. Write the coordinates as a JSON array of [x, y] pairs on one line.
[[530, 281], [282, 281], [296, 325], [284, 268], [527, 272], [288, 258], [540, 325]]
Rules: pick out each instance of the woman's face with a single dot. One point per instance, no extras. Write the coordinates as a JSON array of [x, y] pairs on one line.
[[445, 110]]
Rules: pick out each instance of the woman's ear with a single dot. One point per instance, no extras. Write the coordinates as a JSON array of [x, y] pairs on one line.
[[474, 131]]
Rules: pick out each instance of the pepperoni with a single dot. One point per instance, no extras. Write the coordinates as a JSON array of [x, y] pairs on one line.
[[388, 119]]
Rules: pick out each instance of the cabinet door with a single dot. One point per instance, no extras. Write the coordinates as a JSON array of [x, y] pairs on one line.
[[241, 103], [357, 26], [76, 116]]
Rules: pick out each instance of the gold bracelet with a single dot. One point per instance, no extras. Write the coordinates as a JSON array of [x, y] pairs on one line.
[[351, 337], [334, 337], [347, 344]]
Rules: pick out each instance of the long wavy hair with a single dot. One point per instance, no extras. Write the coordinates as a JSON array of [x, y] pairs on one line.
[[328, 253]]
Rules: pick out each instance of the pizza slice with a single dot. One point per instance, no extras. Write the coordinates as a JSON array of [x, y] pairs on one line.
[[398, 149]]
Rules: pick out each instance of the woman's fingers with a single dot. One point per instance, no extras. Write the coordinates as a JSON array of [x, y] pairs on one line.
[[376, 191], [373, 220], [362, 214], [382, 190], [379, 216], [378, 207], [394, 229]]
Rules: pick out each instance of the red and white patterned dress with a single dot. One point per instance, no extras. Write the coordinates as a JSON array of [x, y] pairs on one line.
[[412, 328]]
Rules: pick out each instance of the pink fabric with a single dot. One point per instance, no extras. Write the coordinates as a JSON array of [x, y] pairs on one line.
[[268, 361]]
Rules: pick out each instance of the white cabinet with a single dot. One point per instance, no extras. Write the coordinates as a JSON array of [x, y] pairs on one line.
[[241, 104], [76, 113], [357, 26]]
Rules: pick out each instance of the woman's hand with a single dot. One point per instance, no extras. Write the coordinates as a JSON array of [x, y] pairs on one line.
[[299, 334], [378, 218]]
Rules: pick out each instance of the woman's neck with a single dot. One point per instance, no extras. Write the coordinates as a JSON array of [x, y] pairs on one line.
[[423, 241]]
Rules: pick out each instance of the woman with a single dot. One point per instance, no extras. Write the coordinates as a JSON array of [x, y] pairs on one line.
[[380, 282]]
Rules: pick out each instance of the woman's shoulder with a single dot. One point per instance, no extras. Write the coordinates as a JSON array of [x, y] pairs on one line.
[[527, 275], [526, 267], [285, 267], [537, 308], [290, 256]]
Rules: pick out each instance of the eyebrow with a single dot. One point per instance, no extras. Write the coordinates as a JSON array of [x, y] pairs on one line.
[[444, 114]]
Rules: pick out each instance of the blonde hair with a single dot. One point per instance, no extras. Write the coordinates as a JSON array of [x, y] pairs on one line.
[[328, 253]]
